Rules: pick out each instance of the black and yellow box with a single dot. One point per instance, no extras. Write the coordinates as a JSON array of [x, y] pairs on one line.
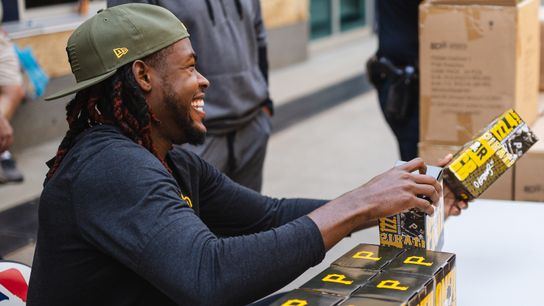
[[484, 159], [363, 301], [339, 280], [399, 287], [368, 256], [439, 266], [299, 297], [414, 228]]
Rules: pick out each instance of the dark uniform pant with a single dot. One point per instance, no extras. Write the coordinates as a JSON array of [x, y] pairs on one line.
[[406, 131]]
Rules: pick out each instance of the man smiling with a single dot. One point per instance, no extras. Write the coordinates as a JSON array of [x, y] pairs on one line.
[[119, 226]]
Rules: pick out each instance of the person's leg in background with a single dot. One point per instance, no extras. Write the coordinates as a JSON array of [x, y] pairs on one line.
[[10, 98], [250, 143], [239, 154], [11, 95], [407, 131], [213, 150]]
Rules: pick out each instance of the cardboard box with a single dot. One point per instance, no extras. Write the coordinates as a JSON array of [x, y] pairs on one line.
[[339, 280], [437, 265], [299, 297], [483, 160], [399, 287], [476, 61], [502, 189], [368, 257], [530, 169], [414, 228]]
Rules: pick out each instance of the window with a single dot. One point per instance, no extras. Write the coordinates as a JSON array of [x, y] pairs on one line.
[[352, 14], [328, 17], [320, 18]]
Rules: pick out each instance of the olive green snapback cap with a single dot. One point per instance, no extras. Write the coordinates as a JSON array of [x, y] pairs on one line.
[[117, 36]]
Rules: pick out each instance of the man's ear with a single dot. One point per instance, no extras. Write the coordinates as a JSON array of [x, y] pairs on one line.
[[142, 75]]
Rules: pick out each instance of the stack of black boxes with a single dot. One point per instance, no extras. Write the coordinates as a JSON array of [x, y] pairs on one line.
[[405, 269], [377, 275]]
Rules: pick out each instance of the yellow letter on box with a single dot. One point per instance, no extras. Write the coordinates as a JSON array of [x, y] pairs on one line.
[[295, 303], [391, 284], [366, 255], [337, 278]]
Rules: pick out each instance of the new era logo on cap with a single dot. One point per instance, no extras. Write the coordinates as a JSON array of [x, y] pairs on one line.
[[119, 52]]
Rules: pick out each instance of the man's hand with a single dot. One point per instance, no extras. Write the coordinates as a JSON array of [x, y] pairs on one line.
[[452, 206], [6, 134], [387, 194], [399, 189]]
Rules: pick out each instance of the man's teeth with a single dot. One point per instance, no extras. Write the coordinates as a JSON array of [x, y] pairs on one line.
[[198, 105]]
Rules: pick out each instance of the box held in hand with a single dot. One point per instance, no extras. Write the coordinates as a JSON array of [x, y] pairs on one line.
[[414, 228], [502, 189], [484, 159]]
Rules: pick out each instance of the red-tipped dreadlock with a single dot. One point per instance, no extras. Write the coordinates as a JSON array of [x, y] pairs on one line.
[[117, 101]]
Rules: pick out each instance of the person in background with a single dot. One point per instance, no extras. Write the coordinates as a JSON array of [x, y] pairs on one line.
[[11, 95], [230, 40], [394, 71]]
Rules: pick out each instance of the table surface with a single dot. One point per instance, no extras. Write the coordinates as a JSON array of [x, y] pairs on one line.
[[500, 253]]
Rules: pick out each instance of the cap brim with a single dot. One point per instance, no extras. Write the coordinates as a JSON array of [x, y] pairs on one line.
[[79, 86]]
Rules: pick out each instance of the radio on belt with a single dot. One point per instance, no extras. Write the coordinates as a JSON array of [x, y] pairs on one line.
[[491, 153], [413, 228]]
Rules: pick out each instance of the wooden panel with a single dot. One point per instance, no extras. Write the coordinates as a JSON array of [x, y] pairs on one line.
[[50, 51], [277, 13]]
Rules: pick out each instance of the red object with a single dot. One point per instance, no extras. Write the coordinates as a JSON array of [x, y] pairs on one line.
[[14, 281]]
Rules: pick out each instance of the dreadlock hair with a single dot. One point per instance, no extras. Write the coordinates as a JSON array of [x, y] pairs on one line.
[[117, 101]]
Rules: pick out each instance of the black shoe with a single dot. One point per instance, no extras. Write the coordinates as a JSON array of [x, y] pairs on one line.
[[9, 172]]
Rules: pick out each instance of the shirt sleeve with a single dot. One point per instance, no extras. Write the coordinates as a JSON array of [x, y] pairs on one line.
[[130, 208], [231, 209]]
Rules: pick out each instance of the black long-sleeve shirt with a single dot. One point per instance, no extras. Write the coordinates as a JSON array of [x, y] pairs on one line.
[[116, 228]]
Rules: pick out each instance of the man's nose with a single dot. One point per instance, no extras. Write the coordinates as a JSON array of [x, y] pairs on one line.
[[202, 81]]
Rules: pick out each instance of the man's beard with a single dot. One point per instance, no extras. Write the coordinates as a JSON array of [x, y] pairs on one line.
[[192, 134]]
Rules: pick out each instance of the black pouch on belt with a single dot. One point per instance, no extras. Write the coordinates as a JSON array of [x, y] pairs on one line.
[[401, 85]]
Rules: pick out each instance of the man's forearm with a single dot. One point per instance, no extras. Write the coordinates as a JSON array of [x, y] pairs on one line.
[[337, 219]]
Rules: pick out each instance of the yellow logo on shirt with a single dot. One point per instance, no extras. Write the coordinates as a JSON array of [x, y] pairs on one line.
[[186, 199]]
